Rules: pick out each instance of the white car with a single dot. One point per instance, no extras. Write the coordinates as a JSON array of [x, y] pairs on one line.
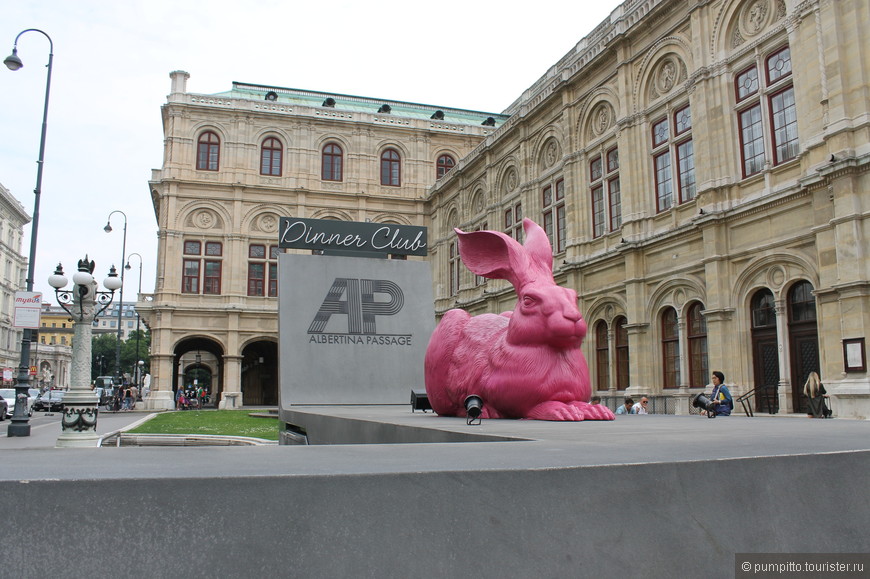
[[8, 394]]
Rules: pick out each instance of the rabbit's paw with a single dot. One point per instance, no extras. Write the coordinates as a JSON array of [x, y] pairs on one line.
[[593, 411], [554, 410]]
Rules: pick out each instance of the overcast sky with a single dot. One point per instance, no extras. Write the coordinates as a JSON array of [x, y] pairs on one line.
[[110, 76]]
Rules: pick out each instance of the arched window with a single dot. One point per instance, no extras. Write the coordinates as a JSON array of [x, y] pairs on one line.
[[270, 157], [444, 164], [602, 356], [801, 303], [670, 348], [763, 310], [391, 173], [331, 165], [621, 353], [208, 152], [697, 335]]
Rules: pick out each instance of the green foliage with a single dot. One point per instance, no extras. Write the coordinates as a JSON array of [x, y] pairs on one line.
[[223, 422], [103, 348]]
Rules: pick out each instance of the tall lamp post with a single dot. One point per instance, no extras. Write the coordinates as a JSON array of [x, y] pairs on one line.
[[108, 229], [20, 423], [83, 303], [136, 361]]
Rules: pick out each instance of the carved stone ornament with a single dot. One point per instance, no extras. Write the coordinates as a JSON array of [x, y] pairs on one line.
[[551, 153], [268, 223], [510, 180], [754, 18], [477, 203], [601, 119], [205, 219]]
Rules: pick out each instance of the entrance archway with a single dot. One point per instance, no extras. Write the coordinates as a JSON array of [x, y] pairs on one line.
[[260, 374], [199, 363], [803, 336], [765, 351]]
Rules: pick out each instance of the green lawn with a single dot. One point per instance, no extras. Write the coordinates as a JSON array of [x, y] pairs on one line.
[[225, 422]]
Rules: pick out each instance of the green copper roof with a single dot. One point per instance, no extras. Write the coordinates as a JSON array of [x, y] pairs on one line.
[[356, 104]]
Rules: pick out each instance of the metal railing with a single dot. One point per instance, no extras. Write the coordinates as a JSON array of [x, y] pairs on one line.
[[768, 397]]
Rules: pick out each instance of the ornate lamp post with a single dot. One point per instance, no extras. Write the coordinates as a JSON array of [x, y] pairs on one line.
[[20, 425], [83, 303], [138, 319], [108, 229]]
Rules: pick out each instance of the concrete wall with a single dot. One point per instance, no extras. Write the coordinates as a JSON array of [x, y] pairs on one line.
[[641, 520]]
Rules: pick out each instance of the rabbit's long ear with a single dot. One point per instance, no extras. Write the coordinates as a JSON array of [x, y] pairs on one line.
[[538, 247], [493, 254]]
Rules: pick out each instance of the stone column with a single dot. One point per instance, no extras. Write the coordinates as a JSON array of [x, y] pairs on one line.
[[231, 394], [784, 388], [161, 396]]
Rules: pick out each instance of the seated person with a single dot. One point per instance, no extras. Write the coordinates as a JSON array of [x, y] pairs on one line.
[[721, 396], [625, 408]]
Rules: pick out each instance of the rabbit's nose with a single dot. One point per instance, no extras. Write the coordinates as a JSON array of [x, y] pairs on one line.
[[572, 314]]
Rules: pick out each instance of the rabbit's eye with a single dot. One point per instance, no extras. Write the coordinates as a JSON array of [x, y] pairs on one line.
[[529, 301]]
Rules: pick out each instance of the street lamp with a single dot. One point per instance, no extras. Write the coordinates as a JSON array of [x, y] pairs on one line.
[[83, 303], [138, 318], [108, 229], [20, 423]]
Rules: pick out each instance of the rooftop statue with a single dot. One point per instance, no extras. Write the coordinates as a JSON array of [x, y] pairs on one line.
[[522, 364]]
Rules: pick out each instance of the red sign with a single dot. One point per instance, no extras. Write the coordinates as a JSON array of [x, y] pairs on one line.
[[33, 370]]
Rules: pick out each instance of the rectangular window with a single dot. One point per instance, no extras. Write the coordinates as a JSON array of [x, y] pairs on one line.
[[553, 210], [213, 248], [598, 211], [513, 222], [190, 277], [273, 280], [784, 114], [664, 182], [615, 204], [263, 270], [686, 164], [192, 247], [212, 278], [752, 140], [256, 278], [454, 269]]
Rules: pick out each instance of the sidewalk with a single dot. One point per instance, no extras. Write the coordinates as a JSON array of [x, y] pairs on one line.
[[44, 429]]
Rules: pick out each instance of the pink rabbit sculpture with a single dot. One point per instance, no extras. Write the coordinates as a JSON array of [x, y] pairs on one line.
[[522, 364]]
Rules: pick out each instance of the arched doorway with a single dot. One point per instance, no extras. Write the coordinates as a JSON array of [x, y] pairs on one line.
[[260, 374], [803, 336], [199, 363], [765, 351]]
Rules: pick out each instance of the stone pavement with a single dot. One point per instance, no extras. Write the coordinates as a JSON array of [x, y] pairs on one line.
[[641, 496]]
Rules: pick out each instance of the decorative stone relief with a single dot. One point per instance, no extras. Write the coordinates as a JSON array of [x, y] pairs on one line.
[[551, 153], [206, 219], [679, 297], [477, 202], [608, 314], [510, 180], [602, 119], [267, 223], [754, 18], [670, 72]]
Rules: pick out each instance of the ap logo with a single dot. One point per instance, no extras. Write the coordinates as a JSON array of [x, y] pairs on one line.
[[356, 299]]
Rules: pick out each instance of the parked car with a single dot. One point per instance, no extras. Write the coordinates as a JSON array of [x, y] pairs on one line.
[[4, 408], [9, 395], [50, 400]]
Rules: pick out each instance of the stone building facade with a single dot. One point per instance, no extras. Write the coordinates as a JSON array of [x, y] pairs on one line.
[[702, 170], [700, 167], [235, 163], [13, 218]]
